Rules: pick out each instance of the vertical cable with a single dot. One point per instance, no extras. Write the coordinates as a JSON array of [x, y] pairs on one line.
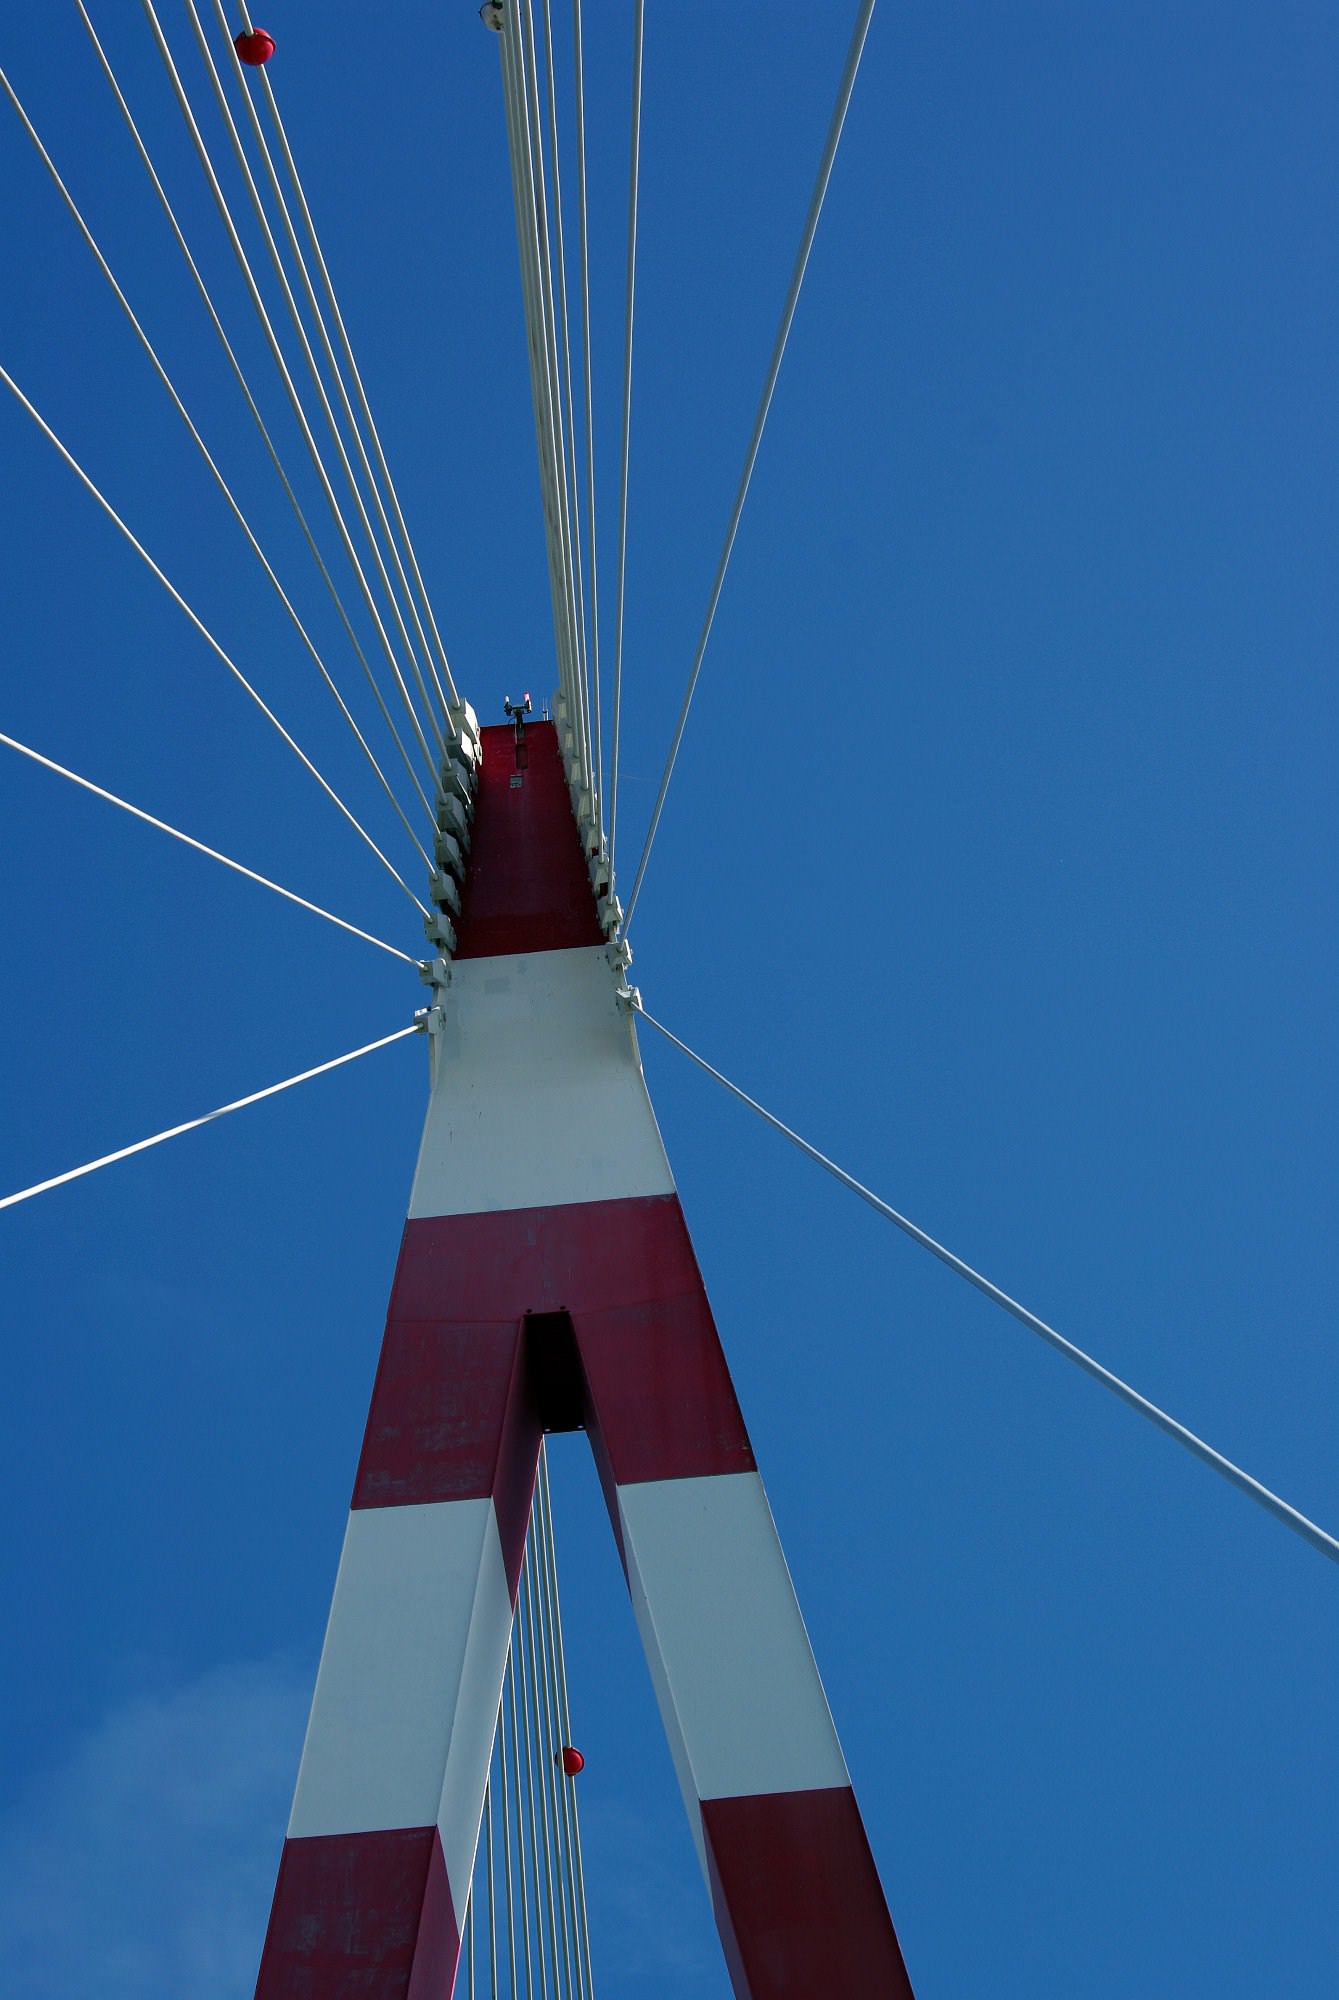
[[526, 1706], [596, 706], [519, 1885], [488, 1852], [581, 1919], [558, 1782], [548, 308], [634, 169], [527, 246], [564, 356], [539, 1705]]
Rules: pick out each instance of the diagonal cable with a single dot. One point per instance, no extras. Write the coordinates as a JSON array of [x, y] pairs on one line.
[[844, 90], [332, 362], [304, 342], [203, 448], [238, 867], [245, 387], [204, 631], [449, 692], [1243, 1481], [193, 1124], [225, 214]]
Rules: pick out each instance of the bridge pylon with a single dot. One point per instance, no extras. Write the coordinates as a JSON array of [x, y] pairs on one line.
[[546, 1282]]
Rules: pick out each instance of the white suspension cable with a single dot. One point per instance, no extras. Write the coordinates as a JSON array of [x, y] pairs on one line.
[[308, 354], [546, 237], [573, 1881], [571, 479], [596, 703], [551, 1762], [193, 1124], [523, 1895], [272, 104], [337, 375], [634, 171], [205, 453], [526, 242], [504, 1710], [546, 1899], [245, 387], [845, 88], [520, 91], [541, 283], [225, 214], [525, 1678], [492, 1881], [86, 784], [205, 633], [1252, 1488]]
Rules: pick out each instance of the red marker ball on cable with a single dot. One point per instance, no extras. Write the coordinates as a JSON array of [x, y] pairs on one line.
[[571, 1760], [253, 47]]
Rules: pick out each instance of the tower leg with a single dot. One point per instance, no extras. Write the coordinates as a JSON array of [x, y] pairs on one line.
[[546, 1281], [372, 1886]]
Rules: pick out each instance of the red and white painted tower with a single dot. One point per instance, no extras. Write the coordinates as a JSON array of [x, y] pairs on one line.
[[546, 1282]]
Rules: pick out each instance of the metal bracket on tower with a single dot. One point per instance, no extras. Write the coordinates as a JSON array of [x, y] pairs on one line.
[[586, 812], [436, 974], [454, 814]]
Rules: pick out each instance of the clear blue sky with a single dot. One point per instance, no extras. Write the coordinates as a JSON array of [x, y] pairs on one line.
[[1001, 860]]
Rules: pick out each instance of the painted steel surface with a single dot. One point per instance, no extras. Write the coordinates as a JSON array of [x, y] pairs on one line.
[[546, 1281]]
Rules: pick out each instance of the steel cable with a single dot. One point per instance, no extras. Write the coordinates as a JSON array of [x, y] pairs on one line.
[[844, 90], [86, 784], [208, 1118], [225, 214], [206, 634], [205, 453], [337, 376], [630, 288], [449, 692], [245, 387], [1327, 1544]]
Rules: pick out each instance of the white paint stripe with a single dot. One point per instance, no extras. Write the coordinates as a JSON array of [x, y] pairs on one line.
[[417, 1634], [739, 1693], [538, 1096]]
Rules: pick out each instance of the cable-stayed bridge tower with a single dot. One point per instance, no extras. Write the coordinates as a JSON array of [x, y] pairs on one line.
[[546, 1282]]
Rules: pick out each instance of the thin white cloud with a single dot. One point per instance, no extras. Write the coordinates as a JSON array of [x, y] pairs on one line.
[[141, 1867]]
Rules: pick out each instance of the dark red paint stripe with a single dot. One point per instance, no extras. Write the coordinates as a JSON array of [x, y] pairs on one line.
[[798, 1902], [454, 1413], [361, 1916], [576, 1257], [527, 887]]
